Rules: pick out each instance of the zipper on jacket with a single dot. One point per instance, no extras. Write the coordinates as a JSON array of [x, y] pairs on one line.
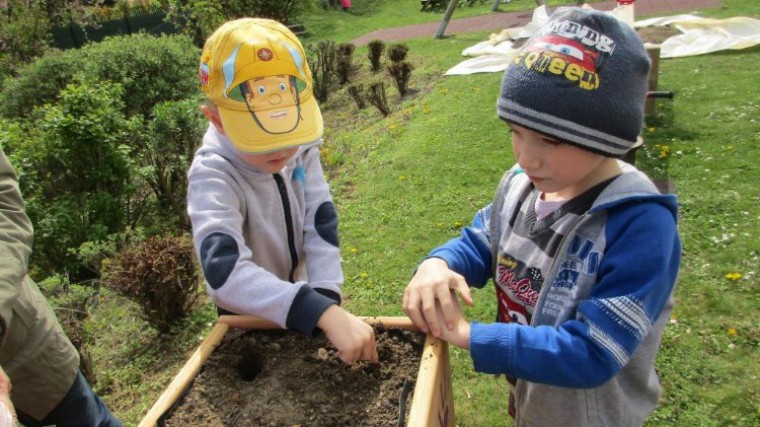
[[288, 224]]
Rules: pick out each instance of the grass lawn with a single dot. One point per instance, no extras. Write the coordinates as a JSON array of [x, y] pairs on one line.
[[407, 182]]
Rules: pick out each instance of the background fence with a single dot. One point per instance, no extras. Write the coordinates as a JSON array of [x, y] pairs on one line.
[[74, 36]]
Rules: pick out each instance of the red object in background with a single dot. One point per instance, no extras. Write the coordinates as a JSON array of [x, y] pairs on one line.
[[625, 2]]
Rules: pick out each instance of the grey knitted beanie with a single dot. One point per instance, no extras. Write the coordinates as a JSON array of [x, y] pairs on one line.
[[581, 78]]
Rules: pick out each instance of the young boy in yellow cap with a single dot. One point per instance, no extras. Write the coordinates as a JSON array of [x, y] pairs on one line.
[[264, 224], [583, 250]]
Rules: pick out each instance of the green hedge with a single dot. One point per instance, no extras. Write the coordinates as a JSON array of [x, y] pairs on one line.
[[150, 70]]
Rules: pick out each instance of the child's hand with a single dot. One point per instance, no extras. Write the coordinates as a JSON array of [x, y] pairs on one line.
[[430, 287], [459, 335], [352, 337]]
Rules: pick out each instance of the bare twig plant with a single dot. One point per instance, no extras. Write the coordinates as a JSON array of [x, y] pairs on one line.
[[401, 73], [344, 62], [376, 48], [322, 64], [376, 96], [357, 93]]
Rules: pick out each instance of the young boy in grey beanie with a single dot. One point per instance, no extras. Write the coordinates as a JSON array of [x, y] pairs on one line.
[[582, 248]]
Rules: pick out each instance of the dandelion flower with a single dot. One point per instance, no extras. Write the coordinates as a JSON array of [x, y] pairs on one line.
[[733, 276], [732, 332]]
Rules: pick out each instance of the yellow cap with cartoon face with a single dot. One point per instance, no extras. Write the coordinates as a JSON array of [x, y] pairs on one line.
[[255, 71]]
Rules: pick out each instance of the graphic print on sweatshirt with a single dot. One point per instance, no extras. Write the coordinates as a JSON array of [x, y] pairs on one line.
[[517, 289]]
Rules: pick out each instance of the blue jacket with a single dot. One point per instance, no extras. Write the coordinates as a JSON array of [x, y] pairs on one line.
[[587, 356]]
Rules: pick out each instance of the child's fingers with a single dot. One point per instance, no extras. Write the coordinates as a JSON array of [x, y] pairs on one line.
[[371, 353], [448, 307], [430, 316], [412, 306], [465, 293]]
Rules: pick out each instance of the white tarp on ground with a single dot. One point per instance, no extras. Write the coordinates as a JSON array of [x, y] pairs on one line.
[[705, 35], [698, 36]]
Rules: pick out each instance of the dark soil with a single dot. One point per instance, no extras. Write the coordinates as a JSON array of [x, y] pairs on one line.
[[281, 378]]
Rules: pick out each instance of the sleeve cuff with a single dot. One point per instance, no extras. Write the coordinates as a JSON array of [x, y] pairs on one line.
[[492, 347], [307, 308]]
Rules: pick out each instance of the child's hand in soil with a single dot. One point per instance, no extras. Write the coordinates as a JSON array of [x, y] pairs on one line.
[[352, 337]]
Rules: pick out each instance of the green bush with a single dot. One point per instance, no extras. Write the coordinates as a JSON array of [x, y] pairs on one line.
[[76, 171], [102, 138], [149, 69], [171, 139], [160, 275], [39, 83]]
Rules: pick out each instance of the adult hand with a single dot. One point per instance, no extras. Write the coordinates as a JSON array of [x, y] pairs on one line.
[[431, 286], [352, 337]]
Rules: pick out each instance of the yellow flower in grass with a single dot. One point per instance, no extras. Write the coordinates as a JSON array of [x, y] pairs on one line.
[[731, 332], [651, 129], [664, 151], [353, 250], [734, 276]]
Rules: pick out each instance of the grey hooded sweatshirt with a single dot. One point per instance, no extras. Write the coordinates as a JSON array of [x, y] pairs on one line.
[[267, 243]]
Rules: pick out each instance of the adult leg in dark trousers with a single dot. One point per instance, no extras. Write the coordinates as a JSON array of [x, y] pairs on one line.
[[80, 408]]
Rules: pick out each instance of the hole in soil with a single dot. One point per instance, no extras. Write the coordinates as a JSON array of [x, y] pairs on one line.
[[250, 365]]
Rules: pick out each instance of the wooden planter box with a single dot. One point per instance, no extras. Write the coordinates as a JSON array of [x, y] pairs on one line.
[[432, 404]]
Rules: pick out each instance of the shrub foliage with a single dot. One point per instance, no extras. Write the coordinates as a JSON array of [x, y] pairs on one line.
[[160, 274], [102, 138]]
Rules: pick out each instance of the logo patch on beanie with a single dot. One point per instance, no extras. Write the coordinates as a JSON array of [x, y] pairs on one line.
[[569, 50]]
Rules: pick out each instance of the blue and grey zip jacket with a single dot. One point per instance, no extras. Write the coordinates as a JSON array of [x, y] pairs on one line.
[[267, 243], [583, 294]]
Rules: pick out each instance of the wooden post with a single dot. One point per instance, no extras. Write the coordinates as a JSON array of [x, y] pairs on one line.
[[650, 106], [446, 18]]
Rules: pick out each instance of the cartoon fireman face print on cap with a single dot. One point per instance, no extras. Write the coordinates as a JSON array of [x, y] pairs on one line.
[[256, 73]]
